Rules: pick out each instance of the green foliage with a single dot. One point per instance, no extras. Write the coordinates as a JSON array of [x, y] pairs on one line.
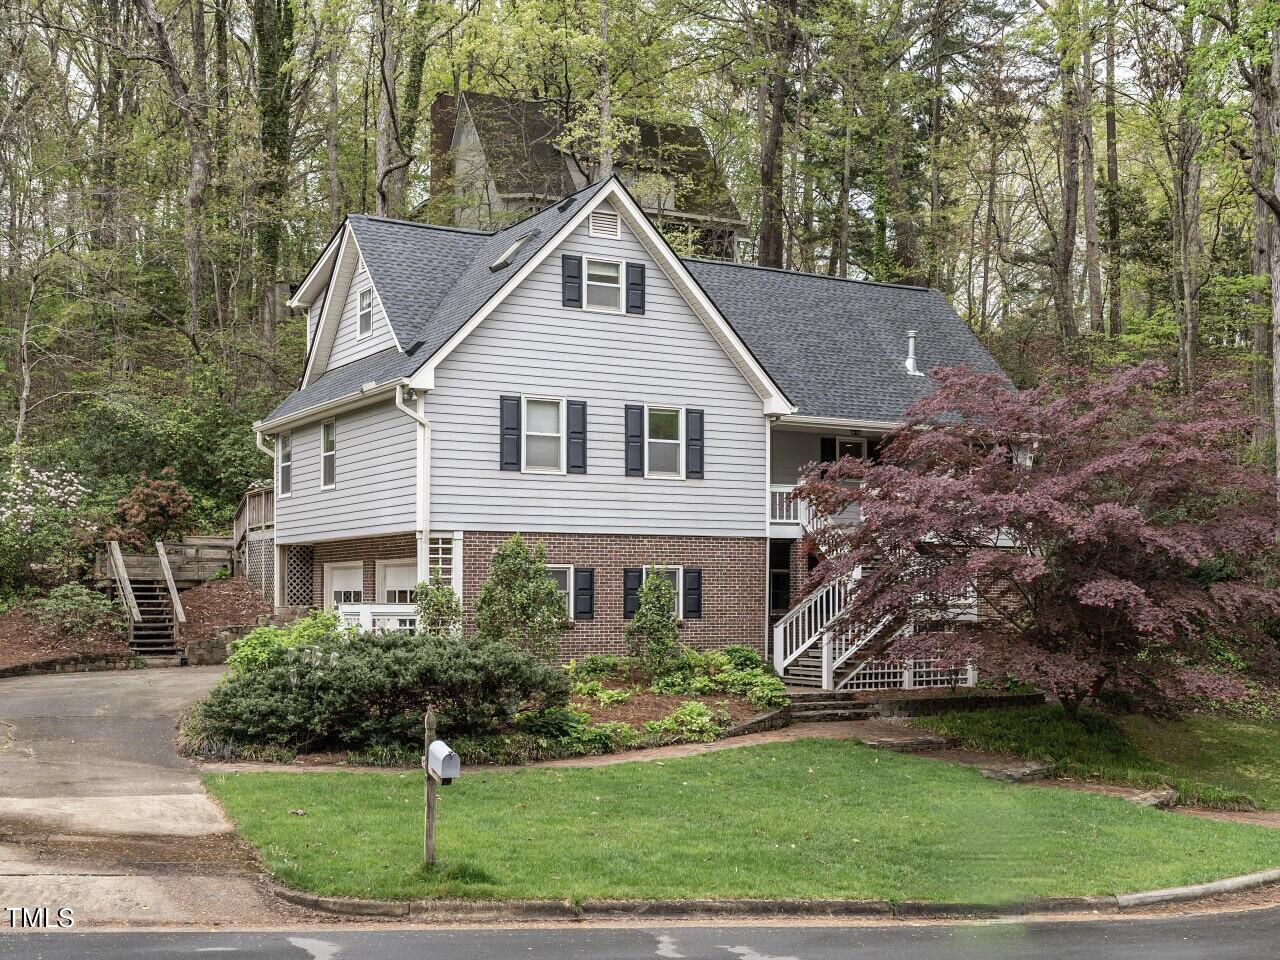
[[79, 613], [154, 509], [44, 530], [736, 669], [652, 635], [597, 691], [691, 722], [349, 690], [1092, 746], [598, 665], [254, 649], [439, 611], [553, 723], [518, 603]]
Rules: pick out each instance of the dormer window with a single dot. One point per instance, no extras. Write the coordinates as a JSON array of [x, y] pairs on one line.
[[366, 312], [605, 224], [604, 285]]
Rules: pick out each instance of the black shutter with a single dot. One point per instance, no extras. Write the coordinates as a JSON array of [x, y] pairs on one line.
[[693, 445], [577, 430], [635, 441], [571, 280], [509, 439], [584, 594], [635, 288], [692, 594], [632, 577], [828, 448]]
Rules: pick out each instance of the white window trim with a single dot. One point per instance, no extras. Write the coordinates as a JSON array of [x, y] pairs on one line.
[[329, 569], [380, 576], [524, 432], [361, 311], [679, 443], [281, 493], [586, 283], [860, 441], [568, 593], [679, 569], [334, 454], [616, 234]]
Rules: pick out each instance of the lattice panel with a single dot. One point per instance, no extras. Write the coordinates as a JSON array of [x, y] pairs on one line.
[[883, 675], [926, 673], [260, 566], [440, 557], [297, 576], [877, 675]]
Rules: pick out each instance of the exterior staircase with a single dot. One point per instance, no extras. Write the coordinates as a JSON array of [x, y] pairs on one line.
[[824, 706], [156, 634], [811, 649]]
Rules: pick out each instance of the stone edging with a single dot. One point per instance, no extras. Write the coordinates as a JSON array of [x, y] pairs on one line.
[[675, 909], [773, 720], [74, 663]]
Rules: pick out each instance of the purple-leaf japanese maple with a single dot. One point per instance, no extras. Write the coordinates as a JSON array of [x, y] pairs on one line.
[[1111, 535]]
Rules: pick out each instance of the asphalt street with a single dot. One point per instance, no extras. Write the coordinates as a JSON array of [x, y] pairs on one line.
[[1227, 936]]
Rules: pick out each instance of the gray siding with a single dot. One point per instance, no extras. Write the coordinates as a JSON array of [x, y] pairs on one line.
[[531, 344], [346, 345], [376, 489], [790, 450]]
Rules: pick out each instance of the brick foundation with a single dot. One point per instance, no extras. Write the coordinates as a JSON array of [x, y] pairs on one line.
[[733, 579], [398, 546], [733, 583]]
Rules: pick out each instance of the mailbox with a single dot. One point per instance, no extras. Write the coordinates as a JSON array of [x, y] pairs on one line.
[[442, 763]]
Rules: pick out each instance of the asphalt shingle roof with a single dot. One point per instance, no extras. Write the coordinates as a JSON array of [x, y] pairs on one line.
[[835, 347]]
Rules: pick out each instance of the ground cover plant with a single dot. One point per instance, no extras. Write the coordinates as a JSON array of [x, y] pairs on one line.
[[1211, 761], [814, 818]]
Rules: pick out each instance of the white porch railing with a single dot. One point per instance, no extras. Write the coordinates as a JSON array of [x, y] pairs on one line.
[[806, 623], [379, 616], [783, 508]]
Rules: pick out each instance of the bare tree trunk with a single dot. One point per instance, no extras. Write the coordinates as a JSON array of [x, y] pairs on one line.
[[772, 209], [1069, 158], [390, 161], [24, 366], [1088, 175], [1184, 159], [1113, 181], [604, 94], [191, 101], [333, 179]]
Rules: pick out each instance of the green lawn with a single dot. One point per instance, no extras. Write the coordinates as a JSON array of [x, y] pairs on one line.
[[815, 818], [1214, 761]]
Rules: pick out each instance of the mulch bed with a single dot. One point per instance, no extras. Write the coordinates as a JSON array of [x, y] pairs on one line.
[[220, 603], [24, 639], [642, 706]]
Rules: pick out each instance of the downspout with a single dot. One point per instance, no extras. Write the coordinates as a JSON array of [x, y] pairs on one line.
[[424, 474], [278, 564]]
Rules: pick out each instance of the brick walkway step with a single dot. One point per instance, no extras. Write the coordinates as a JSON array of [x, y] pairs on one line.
[[832, 716]]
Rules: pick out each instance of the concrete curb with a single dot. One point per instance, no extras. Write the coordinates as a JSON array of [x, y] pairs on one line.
[[746, 909], [1198, 891]]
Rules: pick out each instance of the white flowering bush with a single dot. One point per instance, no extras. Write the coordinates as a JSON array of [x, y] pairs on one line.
[[43, 534]]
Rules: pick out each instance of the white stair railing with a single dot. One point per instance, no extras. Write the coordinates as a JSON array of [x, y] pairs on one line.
[[806, 623]]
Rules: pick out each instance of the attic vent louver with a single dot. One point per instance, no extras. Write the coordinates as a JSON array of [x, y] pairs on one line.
[[606, 224], [911, 355], [509, 254]]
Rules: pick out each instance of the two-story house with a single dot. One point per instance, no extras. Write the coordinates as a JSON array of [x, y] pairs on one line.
[[572, 379]]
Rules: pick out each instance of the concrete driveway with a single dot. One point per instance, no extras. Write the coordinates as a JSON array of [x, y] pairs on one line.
[[98, 813]]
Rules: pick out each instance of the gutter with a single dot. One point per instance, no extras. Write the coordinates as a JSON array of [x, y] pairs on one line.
[[366, 394]]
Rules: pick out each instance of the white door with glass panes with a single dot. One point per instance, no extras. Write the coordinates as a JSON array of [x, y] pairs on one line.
[[344, 583], [399, 580]]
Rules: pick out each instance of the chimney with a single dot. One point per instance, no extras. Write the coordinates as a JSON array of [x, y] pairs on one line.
[[911, 355]]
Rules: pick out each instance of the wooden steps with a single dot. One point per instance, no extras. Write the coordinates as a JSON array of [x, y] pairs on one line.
[[155, 635]]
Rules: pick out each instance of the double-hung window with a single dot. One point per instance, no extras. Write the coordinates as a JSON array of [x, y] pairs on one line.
[[676, 576], [328, 454], [563, 577], [543, 435], [604, 285], [663, 441], [365, 320], [284, 484]]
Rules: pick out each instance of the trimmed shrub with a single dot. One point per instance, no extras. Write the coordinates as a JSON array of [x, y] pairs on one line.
[[518, 603], [439, 611], [652, 635], [362, 691]]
